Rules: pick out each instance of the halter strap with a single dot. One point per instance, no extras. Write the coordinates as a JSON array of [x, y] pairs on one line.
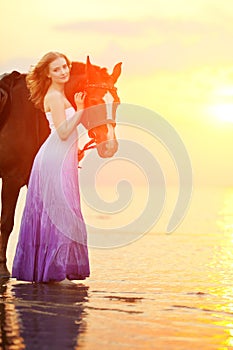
[[101, 86], [103, 122], [88, 145]]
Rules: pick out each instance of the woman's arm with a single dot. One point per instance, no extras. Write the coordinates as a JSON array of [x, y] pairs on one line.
[[63, 126]]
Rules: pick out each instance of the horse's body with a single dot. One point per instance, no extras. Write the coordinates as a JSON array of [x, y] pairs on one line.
[[23, 129]]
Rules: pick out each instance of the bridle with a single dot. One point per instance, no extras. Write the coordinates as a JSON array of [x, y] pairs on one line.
[[113, 91], [100, 86]]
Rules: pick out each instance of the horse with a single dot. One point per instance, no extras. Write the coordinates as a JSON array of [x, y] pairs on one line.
[[24, 128]]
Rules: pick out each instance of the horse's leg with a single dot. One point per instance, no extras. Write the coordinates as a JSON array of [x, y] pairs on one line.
[[10, 193]]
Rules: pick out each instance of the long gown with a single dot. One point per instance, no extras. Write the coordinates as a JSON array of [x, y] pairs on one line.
[[52, 241]]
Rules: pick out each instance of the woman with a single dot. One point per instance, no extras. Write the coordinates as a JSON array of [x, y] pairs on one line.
[[52, 242]]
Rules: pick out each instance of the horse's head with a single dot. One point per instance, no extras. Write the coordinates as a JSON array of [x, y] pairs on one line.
[[99, 116]]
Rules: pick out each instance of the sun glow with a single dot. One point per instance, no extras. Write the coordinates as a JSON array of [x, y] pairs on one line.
[[221, 104], [222, 111]]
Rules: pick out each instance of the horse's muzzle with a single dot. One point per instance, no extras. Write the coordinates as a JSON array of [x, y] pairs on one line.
[[107, 149]]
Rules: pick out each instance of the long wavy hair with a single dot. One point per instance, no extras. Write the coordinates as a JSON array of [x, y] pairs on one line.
[[37, 79]]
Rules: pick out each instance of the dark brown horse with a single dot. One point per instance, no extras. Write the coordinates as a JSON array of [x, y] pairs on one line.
[[23, 129]]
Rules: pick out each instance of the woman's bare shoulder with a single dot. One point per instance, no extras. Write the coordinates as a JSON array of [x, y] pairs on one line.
[[52, 97]]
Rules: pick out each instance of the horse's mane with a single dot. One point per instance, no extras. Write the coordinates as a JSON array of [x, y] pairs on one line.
[[78, 79], [7, 81], [79, 69]]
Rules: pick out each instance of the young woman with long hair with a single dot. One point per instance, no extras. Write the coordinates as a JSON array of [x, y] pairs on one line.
[[52, 243]]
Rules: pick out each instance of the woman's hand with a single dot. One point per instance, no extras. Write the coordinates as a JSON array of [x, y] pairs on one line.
[[79, 98]]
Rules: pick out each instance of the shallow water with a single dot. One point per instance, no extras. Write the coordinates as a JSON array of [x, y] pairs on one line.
[[161, 292]]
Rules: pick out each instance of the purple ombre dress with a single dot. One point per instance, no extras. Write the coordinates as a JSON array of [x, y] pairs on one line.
[[52, 242]]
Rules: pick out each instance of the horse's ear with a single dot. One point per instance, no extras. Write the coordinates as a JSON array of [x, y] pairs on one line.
[[116, 72], [88, 67], [88, 62]]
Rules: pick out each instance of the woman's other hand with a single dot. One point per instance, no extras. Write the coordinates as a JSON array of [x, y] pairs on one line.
[[79, 98]]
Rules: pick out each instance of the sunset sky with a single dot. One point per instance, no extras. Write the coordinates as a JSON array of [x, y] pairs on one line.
[[177, 60]]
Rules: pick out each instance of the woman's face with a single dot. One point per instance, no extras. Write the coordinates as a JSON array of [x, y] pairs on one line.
[[59, 71]]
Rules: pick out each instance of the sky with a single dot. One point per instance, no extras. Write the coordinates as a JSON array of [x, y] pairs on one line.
[[177, 61]]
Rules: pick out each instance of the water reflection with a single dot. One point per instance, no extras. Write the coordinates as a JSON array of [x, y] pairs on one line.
[[10, 337], [225, 221], [220, 276], [46, 316]]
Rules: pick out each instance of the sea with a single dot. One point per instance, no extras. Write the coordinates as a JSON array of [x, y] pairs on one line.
[[164, 291]]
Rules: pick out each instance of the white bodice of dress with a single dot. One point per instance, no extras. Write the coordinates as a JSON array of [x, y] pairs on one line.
[[69, 114]]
